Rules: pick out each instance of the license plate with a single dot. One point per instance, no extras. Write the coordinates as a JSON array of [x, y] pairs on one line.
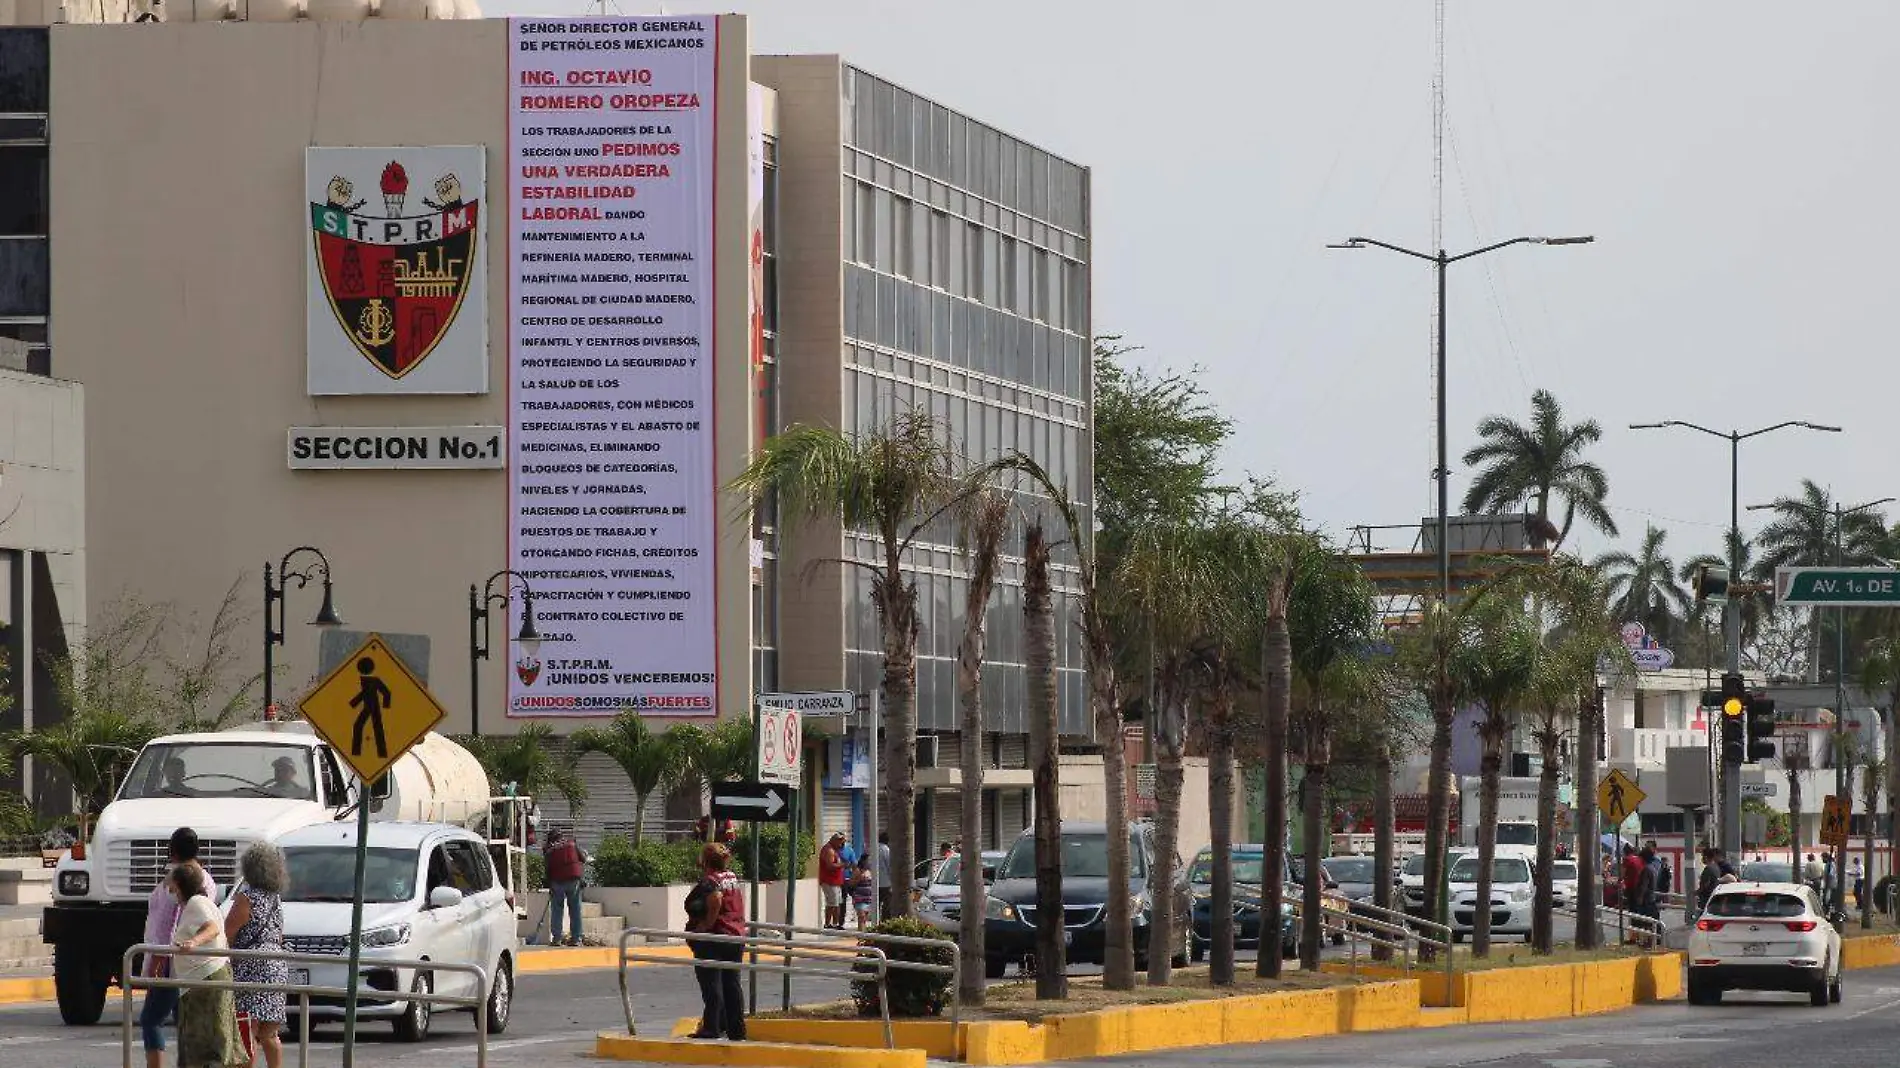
[[1754, 949], [300, 976]]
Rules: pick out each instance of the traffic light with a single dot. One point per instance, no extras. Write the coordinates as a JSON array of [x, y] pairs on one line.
[[1734, 740], [1761, 728], [1734, 697], [1711, 584]]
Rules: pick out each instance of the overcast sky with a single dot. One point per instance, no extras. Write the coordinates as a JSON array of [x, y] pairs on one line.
[[1735, 160]]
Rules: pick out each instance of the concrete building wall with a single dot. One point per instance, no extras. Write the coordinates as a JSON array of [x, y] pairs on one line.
[[179, 293]]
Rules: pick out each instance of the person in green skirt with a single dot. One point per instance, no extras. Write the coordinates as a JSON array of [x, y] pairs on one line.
[[207, 1017]]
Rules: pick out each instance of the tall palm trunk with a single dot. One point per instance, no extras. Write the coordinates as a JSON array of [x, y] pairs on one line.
[[1542, 931], [896, 598], [1277, 654], [1220, 823], [1039, 640], [989, 528], [1893, 795], [1438, 796], [1588, 842], [1872, 783], [1793, 769], [1490, 768], [1382, 835], [1312, 809], [1118, 951], [1170, 745]]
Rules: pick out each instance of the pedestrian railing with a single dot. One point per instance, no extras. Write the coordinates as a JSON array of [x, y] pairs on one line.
[[303, 992], [1393, 929], [1650, 928], [855, 959], [838, 938]]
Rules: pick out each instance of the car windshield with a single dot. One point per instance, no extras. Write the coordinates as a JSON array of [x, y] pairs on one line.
[[220, 769], [1517, 834], [327, 873], [1349, 869], [1503, 870], [1762, 871], [1414, 864], [1564, 871], [947, 872], [1248, 868], [1756, 905], [1084, 856]]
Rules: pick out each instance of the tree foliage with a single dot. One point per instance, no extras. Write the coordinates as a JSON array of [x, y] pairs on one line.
[[1528, 464], [532, 759]]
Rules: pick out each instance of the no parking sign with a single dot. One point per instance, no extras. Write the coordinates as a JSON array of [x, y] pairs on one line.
[[781, 736]]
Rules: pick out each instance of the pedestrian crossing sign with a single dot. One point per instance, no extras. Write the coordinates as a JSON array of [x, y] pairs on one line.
[[371, 709], [1834, 813], [1618, 796]]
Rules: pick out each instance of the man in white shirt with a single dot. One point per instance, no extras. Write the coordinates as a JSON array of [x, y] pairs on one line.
[[883, 875]]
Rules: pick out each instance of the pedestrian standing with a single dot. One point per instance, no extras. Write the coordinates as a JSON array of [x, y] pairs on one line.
[[257, 922], [716, 906], [1857, 878], [863, 885], [566, 864], [207, 1016], [831, 880], [883, 870], [161, 917]]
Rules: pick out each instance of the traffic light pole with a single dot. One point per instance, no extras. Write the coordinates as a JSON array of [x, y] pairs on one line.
[[1731, 806]]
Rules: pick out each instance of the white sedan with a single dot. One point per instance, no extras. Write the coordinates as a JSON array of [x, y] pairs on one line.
[[1563, 883], [1765, 936], [1511, 893]]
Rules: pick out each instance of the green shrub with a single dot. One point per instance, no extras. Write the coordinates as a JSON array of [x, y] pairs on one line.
[[618, 862], [773, 841], [537, 872], [912, 993]]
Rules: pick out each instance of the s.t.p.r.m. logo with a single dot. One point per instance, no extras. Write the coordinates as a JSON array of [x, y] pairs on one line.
[[396, 270]]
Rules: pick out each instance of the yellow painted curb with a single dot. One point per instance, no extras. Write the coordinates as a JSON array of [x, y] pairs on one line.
[[1870, 951], [561, 960], [19, 991], [749, 1054]]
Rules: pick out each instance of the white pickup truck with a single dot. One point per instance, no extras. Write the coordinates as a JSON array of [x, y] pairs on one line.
[[233, 788]]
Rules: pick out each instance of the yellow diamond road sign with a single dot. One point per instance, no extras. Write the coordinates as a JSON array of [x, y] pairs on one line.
[[1618, 796], [371, 709]]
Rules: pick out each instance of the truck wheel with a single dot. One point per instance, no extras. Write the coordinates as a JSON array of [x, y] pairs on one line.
[[79, 982]]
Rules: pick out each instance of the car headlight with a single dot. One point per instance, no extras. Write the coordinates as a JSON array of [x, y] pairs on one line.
[[74, 883], [1522, 893], [1137, 906], [998, 910], [379, 937]]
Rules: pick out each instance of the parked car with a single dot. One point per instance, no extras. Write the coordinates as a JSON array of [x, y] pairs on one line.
[[1765, 936], [944, 891], [1766, 871], [429, 893], [1563, 883], [1249, 870], [1009, 913], [1412, 879], [1511, 894]]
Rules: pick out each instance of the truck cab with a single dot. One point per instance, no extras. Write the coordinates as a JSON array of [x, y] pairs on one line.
[[234, 788]]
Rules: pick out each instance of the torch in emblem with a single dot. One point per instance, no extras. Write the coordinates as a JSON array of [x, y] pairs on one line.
[[395, 188]]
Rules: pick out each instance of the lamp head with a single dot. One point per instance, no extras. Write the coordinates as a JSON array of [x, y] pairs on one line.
[[326, 615], [529, 639]]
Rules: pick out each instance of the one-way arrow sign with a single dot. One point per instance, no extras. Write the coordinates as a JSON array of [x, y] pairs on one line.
[[758, 802]]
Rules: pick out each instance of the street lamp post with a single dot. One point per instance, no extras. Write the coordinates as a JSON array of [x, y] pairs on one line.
[[1441, 260], [1839, 888], [479, 602], [1731, 787], [274, 590]]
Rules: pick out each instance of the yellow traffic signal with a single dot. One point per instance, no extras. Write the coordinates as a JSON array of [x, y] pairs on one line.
[[1732, 707]]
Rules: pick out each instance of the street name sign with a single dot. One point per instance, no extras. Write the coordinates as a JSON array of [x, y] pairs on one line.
[[1618, 796], [1850, 587], [1759, 789], [813, 702], [371, 709], [757, 802]]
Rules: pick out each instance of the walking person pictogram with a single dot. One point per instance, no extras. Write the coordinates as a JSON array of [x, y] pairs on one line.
[[373, 696], [1617, 809]]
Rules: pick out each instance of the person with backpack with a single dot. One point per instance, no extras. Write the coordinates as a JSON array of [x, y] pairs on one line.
[[716, 905]]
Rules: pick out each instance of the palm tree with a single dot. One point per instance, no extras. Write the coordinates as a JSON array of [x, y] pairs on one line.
[[1045, 755], [1643, 588], [1706, 617], [1539, 461], [530, 759], [1276, 590], [1497, 669], [1802, 534], [652, 759], [1427, 653], [894, 483], [1880, 671], [722, 752], [1330, 615], [93, 747], [983, 520]]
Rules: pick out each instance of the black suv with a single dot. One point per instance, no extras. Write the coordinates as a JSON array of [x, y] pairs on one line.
[[1009, 914]]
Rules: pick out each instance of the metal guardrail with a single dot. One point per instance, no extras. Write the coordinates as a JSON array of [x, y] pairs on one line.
[[1395, 929], [1648, 927], [850, 955], [303, 991], [954, 969]]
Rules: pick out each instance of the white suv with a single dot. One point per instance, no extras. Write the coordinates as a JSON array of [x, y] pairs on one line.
[[429, 893], [1765, 936], [1511, 894]]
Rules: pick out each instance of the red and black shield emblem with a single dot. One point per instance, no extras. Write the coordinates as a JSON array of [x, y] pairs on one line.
[[527, 669], [395, 283]]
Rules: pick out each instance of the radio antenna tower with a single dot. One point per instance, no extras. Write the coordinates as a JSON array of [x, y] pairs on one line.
[[1438, 181]]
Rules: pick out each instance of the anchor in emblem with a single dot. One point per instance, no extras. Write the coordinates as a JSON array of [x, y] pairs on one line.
[[377, 325]]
